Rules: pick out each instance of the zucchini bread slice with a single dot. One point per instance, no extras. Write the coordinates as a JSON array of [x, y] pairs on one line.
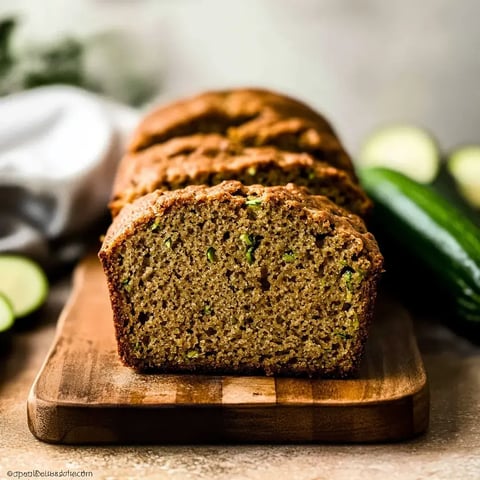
[[156, 168], [241, 279]]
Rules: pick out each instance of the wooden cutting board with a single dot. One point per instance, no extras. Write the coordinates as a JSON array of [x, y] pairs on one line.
[[83, 394]]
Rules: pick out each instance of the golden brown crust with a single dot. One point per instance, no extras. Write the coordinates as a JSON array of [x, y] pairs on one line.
[[248, 117], [206, 159], [221, 110]]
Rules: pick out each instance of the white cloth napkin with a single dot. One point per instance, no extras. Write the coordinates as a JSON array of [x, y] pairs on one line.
[[58, 149]]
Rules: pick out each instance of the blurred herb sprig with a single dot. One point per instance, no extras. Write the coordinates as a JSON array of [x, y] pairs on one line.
[[64, 62]]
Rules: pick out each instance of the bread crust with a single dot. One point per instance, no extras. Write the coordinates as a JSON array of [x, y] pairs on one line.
[[247, 117], [207, 159]]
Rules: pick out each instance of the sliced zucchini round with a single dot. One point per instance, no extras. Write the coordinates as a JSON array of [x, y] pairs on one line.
[[464, 166], [7, 318], [23, 283], [404, 148]]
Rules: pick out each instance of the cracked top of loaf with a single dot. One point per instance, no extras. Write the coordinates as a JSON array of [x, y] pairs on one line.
[[246, 117]]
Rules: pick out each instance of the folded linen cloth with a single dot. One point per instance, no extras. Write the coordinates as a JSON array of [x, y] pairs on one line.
[[58, 149]]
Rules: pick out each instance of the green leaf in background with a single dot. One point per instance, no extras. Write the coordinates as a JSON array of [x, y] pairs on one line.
[[98, 63], [58, 63], [6, 28]]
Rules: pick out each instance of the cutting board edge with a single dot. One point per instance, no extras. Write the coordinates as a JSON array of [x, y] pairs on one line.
[[319, 403], [46, 421]]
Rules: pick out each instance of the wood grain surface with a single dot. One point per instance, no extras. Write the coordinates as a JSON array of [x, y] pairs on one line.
[[83, 394]]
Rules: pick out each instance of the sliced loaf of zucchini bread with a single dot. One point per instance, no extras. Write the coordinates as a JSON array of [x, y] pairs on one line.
[[241, 279]]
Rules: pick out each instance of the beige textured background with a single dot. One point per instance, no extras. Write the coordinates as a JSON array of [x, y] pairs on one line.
[[362, 62]]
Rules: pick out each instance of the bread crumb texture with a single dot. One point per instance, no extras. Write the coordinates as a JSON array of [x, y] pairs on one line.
[[241, 279]]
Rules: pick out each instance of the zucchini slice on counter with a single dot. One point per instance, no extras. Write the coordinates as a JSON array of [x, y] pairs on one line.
[[7, 318], [433, 233], [404, 148], [464, 166], [23, 283]]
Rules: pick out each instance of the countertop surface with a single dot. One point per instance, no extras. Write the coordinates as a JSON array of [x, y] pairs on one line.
[[449, 450]]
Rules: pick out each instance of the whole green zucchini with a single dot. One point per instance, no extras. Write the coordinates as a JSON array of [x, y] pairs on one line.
[[436, 237]]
